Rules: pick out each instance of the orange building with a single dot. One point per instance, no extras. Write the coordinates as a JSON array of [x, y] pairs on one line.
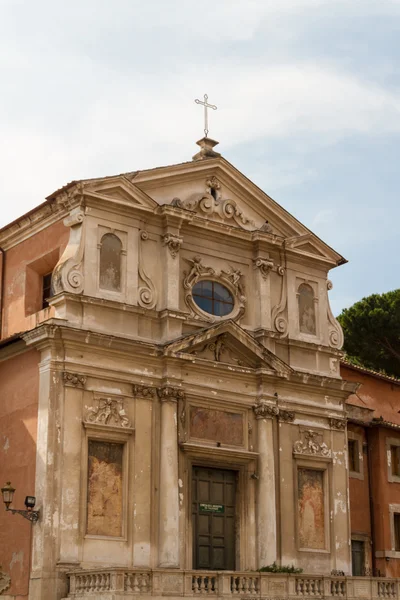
[[374, 471]]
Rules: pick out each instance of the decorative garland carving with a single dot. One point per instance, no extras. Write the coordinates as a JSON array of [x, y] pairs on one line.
[[144, 391], [287, 416], [339, 424], [278, 313], [167, 393], [5, 581], [174, 243], [336, 337], [265, 265], [147, 291], [109, 411], [233, 279], [74, 379], [311, 444], [263, 410], [206, 205], [68, 273]]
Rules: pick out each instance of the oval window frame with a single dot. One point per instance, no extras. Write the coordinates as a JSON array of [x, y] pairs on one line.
[[239, 302]]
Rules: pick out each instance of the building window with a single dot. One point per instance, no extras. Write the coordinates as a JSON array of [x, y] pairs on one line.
[[396, 527], [307, 320], [213, 298], [46, 289], [395, 460], [354, 461]]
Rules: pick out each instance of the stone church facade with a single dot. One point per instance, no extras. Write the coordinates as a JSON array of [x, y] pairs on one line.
[[181, 389]]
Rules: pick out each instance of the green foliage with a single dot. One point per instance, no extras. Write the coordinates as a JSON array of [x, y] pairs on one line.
[[274, 568], [372, 332]]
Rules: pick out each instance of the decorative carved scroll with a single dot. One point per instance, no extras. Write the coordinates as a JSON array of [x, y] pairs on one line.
[[168, 393], [211, 203], [144, 391], [336, 337], [109, 411], [265, 265], [263, 410], [68, 272], [278, 313], [311, 444], [173, 242], [68, 198], [339, 424], [147, 291], [5, 581], [74, 379]]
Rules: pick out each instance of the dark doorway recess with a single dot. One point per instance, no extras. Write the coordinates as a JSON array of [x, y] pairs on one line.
[[213, 518]]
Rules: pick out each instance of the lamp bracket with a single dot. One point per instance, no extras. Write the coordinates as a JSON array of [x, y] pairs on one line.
[[31, 515]]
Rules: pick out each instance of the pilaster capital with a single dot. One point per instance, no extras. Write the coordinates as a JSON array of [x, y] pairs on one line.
[[168, 393], [263, 410], [74, 379], [286, 415], [144, 391], [173, 242], [339, 424]]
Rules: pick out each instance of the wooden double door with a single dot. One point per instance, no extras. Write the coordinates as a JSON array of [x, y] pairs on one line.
[[213, 518]]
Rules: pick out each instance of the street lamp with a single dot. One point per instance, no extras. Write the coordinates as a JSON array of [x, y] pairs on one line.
[[30, 514]]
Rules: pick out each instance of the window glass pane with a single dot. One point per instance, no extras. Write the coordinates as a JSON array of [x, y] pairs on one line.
[[353, 456], [395, 456], [203, 288], [222, 293], [204, 303], [213, 298]]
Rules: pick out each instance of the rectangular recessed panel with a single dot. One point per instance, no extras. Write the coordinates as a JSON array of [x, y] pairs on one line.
[[204, 523], [218, 557], [204, 557]]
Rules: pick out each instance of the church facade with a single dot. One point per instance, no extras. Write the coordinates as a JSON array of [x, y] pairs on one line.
[[174, 392]]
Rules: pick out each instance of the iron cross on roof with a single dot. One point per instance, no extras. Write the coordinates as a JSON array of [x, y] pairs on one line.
[[206, 105]]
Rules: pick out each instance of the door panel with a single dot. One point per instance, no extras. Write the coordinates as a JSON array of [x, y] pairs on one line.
[[213, 518]]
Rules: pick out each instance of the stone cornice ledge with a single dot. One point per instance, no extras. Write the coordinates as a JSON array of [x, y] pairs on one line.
[[216, 454]]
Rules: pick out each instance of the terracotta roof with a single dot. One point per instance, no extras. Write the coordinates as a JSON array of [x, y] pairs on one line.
[[377, 374]]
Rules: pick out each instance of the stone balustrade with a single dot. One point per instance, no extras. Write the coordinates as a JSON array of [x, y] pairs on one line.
[[115, 583]]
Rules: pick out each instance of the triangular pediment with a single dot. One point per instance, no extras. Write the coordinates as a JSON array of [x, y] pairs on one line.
[[120, 190], [226, 343], [213, 190]]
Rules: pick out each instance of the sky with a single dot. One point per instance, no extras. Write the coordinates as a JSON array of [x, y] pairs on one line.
[[308, 96]]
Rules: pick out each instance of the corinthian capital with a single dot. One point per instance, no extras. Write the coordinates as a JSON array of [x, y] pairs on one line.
[[263, 410]]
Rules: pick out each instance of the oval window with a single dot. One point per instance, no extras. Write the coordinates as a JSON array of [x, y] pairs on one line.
[[213, 298]]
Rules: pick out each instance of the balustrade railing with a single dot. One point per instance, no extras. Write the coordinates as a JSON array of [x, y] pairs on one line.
[[135, 583]]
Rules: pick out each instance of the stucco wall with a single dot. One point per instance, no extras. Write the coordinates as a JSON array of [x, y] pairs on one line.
[[24, 264], [18, 422]]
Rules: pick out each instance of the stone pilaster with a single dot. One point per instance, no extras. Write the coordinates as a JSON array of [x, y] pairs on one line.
[[266, 502], [168, 492], [263, 267]]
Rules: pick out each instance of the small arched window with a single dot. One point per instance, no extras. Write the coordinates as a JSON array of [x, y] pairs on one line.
[[110, 262], [307, 321]]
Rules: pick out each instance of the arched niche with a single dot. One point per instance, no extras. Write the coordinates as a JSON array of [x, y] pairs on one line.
[[110, 262], [306, 305]]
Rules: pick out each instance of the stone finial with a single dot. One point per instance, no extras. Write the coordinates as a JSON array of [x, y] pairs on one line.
[[206, 149]]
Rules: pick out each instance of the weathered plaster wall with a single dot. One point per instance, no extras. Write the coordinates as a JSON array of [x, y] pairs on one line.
[[18, 422], [25, 263], [382, 397]]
